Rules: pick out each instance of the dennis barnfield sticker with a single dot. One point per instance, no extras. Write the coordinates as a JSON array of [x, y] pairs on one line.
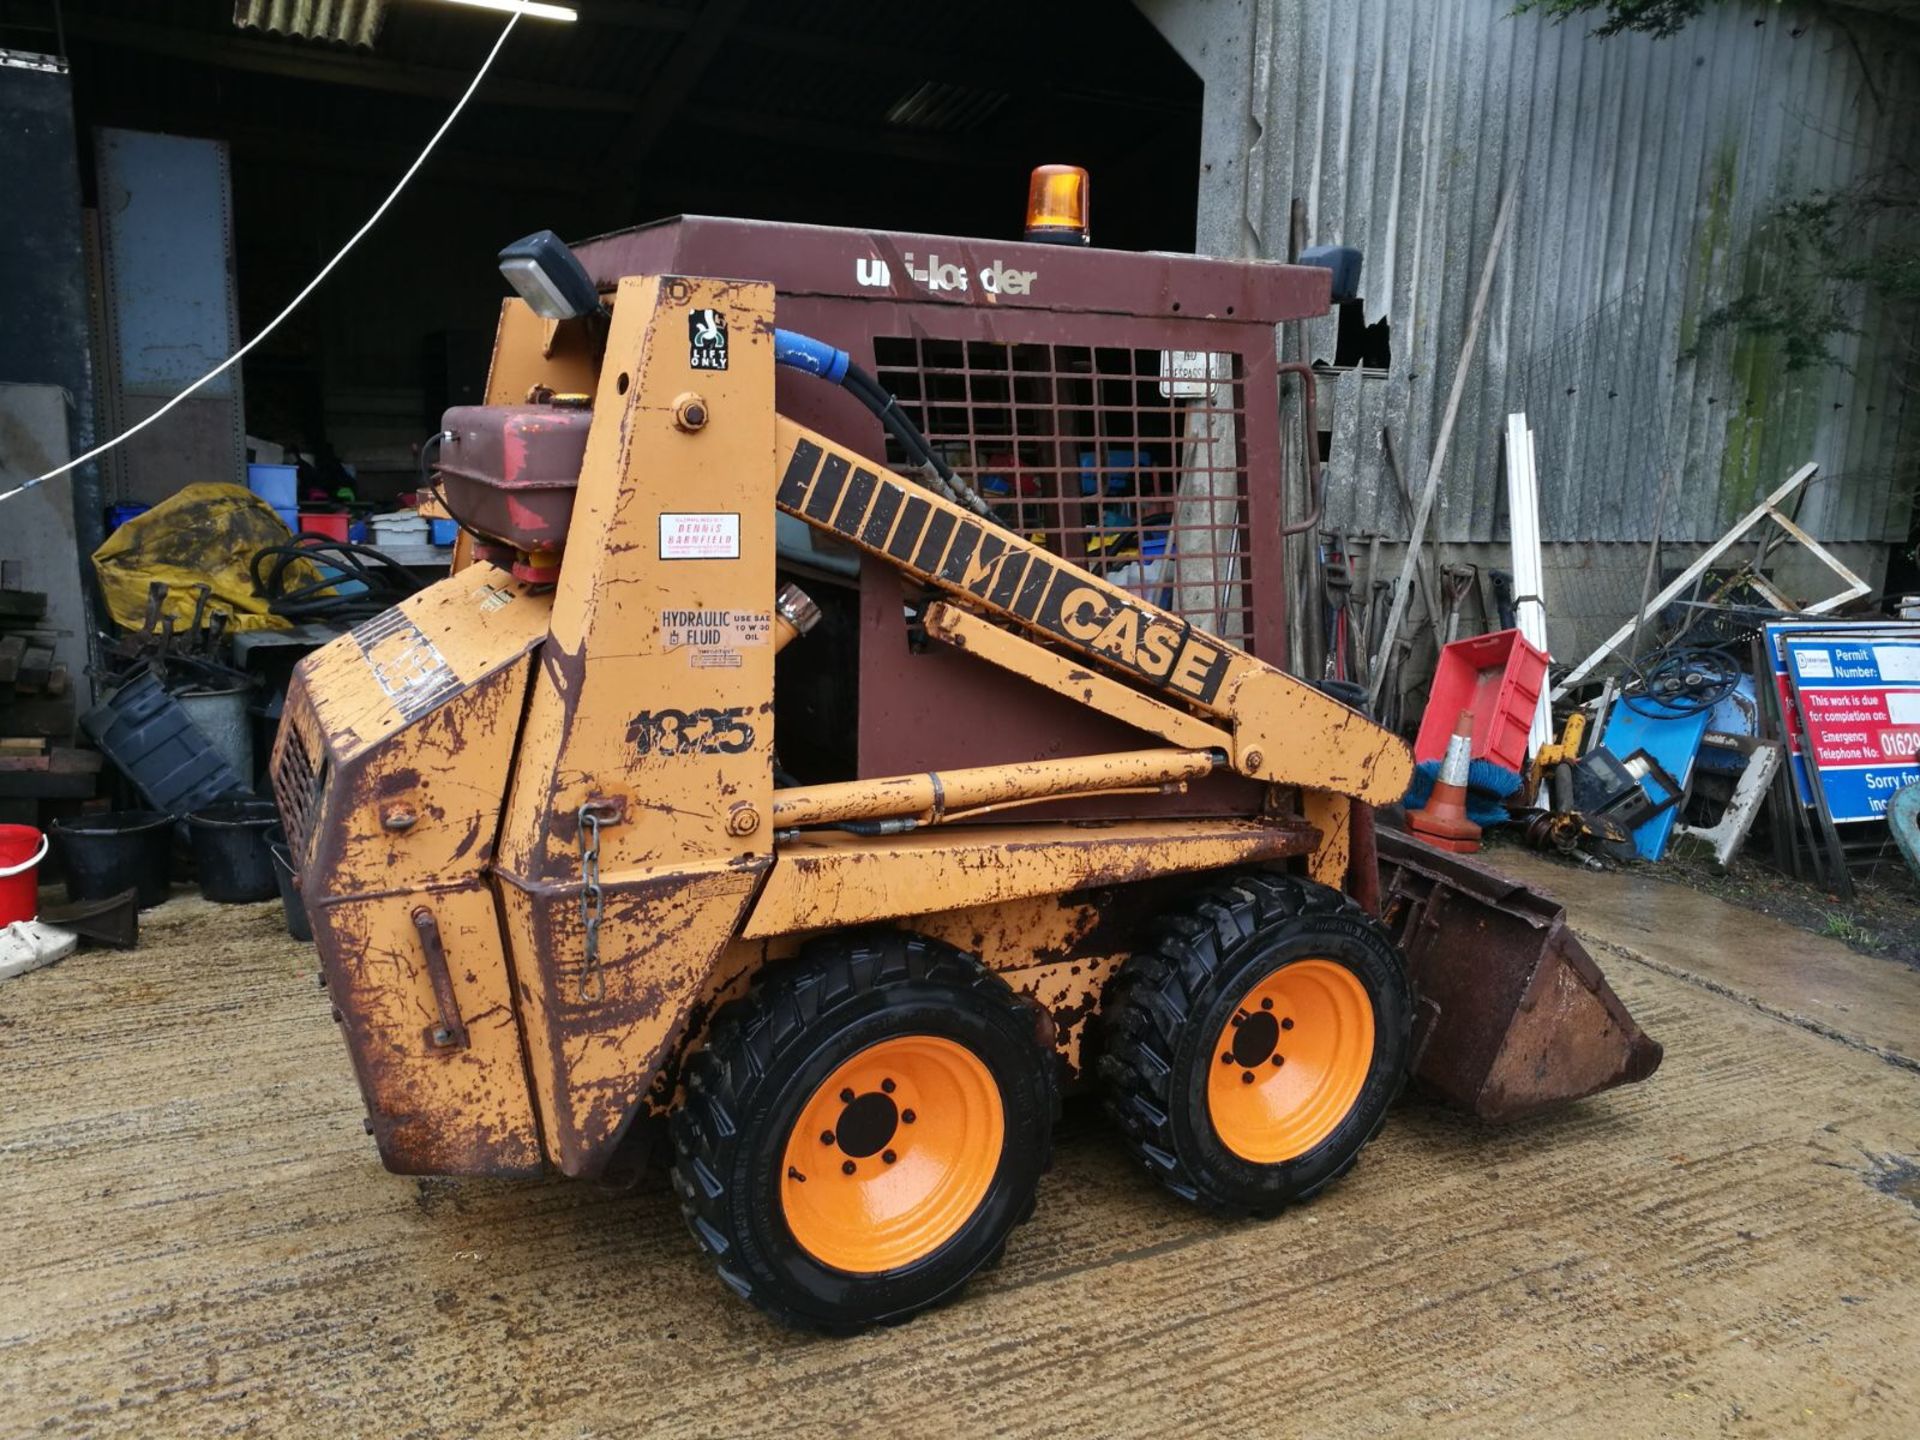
[[700, 537], [706, 340]]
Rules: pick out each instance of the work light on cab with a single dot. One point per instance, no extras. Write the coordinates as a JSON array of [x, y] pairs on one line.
[[549, 277], [1057, 205]]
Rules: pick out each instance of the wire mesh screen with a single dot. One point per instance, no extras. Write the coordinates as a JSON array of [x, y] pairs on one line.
[[299, 782], [1130, 463]]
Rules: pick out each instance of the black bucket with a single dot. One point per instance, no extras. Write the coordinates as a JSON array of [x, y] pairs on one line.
[[122, 850], [230, 850], [298, 926]]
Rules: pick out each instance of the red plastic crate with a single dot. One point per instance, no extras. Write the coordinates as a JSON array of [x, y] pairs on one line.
[[1496, 676]]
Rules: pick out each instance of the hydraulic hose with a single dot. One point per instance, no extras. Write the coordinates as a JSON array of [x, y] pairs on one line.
[[816, 357], [383, 582]]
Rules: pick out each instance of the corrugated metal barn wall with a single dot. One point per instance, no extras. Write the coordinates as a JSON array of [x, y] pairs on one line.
[[1647, 170]]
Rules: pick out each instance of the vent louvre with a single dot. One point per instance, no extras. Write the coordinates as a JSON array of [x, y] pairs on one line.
[[298, 780]]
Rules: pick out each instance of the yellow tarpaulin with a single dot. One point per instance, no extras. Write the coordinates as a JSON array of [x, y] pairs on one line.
[[203, 535]]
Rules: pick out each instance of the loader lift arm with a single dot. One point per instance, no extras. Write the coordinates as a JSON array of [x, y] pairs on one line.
[[1275, 729]]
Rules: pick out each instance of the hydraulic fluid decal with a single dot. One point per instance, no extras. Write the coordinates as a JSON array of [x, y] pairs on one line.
[[987, 562], [715, 639], [405, 664]]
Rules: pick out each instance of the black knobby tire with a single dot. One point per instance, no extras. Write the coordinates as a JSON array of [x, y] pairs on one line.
[[767, 1054], [1169, 1002]]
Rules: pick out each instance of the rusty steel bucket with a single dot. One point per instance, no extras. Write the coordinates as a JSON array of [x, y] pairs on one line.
[[1514, 1016]]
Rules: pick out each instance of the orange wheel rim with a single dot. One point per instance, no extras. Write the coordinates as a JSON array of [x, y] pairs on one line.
[[892, 1154], [1290, 1061]]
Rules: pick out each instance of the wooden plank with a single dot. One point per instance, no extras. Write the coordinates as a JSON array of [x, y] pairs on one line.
[[46, 785], [1437, 464], [1856, 587], [36, 667], [22, 745], [72, 760], [38, 715], [23, 604], [1686, 577], [1429, 586]]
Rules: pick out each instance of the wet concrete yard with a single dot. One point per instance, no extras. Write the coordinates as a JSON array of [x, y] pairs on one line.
[[197, 1239]]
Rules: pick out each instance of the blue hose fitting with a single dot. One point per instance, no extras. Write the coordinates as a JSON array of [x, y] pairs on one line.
[[816, 357]]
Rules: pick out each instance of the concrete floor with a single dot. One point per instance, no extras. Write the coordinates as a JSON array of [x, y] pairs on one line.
[[196, 1238]]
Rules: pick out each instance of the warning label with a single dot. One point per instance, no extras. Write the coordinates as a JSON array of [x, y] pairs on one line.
[[715, 639]]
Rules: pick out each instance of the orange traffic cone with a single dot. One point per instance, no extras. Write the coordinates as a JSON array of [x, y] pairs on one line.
[[1444, 823]]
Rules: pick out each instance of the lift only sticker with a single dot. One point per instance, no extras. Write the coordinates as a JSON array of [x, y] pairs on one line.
[[706, 340]]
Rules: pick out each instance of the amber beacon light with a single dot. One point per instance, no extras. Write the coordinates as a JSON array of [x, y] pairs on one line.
[[1057, 205]]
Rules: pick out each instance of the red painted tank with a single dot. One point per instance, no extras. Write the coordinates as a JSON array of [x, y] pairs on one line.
[[510, 471]]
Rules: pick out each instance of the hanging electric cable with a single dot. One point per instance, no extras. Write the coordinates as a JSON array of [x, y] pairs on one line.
[[310, 287]]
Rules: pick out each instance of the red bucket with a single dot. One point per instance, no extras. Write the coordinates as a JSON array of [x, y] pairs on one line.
[[22, 848]]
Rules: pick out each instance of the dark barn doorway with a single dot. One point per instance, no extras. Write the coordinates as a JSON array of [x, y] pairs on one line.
[[845, 112]]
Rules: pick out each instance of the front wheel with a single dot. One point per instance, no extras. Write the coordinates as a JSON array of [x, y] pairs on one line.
[[861, 1133], [1253, 1048]]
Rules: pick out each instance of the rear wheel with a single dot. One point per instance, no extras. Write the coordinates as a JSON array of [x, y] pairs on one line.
[[1253, 1048], [861, 1133]]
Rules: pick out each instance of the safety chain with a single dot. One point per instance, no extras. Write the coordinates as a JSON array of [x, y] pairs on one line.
[[593, 903]]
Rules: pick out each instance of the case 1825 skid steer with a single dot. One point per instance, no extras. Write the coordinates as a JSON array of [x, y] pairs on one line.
[[568, 901]]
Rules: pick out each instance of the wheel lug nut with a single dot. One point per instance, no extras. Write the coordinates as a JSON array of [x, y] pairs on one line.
[[848, 1168], [888, 1156], [887, 1085], [826, 1137], [1286, 1024], [1226, 1057], [1279, 1060], [846, 1097], [1266, 1004], [1246, 1077], [907, 1117]]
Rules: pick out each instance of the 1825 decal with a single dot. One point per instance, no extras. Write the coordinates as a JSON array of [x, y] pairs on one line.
[[691, 732]]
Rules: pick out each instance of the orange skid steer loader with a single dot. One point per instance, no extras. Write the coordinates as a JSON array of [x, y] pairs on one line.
[[569, 902]]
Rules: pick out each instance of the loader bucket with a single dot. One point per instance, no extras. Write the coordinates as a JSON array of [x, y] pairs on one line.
[[1514, 1017]]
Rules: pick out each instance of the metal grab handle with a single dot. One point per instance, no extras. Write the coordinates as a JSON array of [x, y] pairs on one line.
[[1311, 443], [449, 1034]]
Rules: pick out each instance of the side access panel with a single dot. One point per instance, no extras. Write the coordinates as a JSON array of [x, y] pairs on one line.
[[446, 1093], [596, 1045], [391, 771]]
